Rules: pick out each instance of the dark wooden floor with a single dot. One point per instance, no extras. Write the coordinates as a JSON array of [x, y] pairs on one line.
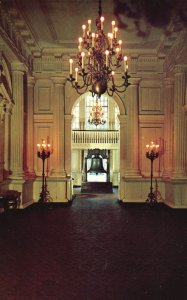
[[94, 249]]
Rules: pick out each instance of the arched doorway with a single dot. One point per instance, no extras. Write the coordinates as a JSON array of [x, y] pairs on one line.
[[86, 137]]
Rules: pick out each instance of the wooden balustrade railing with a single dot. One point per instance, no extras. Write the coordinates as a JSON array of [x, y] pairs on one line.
[[90, 136]]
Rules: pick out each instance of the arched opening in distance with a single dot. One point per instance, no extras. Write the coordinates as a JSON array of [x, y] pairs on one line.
[[95, 149]]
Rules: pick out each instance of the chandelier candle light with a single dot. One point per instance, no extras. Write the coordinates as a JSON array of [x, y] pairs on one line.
[[44, 152], [99, 56], [152, 153], [96, 114]]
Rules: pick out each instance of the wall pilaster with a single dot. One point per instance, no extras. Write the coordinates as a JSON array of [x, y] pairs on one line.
[[17, 122], [179, 121], [1, 150], [7, 141], [123, 158], [68, 144], [132, 129], [30, 128], [168, 127], [58, 127]]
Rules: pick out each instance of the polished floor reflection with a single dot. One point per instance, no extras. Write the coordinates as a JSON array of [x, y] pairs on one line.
[[94, 249]]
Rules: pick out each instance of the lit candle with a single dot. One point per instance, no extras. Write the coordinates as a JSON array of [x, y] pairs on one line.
[[43, 144], [70, 66], [90, 58], [111, 41], [107, 53], [147, 147], [102, 20], [76, 74], [115, 31], [89, 25], [120, 43], [84, 30], [83, 55], [113, 73], [117, 52], [93, 39], [38, 146], [125, 63], [113, 24], [80, 45]]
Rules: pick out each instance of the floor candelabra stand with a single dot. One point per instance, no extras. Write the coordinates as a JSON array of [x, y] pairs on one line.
[[152, 153], [44, 152]]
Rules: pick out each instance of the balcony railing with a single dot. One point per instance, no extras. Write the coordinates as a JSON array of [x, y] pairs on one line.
[[99, 136]]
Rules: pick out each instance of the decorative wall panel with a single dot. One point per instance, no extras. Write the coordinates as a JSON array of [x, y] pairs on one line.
[[150, 101], [43, 98]]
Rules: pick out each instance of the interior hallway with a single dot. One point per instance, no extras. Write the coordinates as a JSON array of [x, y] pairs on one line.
[[93, 249]]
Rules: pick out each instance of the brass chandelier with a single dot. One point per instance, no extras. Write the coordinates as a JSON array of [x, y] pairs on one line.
[[96, 116], [99, 56]]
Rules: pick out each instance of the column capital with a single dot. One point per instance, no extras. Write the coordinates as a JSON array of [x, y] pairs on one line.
[[134, 81], [68, 118], [31, 81], [59, 80], [168, 81], [18, 67], [122, 120], [180, 69]]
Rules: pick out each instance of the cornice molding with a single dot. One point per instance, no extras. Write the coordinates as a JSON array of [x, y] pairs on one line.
[[16, 35]]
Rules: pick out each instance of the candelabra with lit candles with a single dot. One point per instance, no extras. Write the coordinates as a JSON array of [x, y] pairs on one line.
[[44, 152], [152, 153], [99, 56]]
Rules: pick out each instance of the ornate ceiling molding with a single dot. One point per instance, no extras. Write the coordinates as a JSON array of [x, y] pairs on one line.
[[16, 34]]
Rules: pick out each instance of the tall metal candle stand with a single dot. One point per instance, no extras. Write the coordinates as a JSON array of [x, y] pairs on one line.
[[44, 152], [152, 153]]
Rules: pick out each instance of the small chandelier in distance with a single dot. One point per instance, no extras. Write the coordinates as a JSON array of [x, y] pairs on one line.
[[96, 114], [98, 58]]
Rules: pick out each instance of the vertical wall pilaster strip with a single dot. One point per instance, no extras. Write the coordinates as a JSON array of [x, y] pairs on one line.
[[68, 144], [123, 157], [30, 128], [58, 127], [132, 128], [179, 123], [168, 127], [7, 142], [17, 122], [1, 150]]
